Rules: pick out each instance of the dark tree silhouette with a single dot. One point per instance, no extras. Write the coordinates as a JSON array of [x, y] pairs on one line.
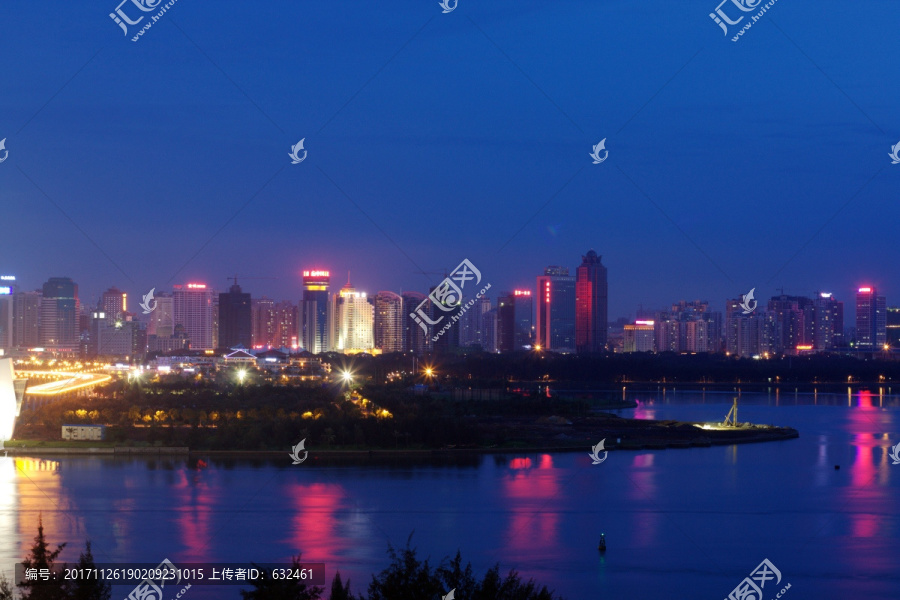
[[89, 589], [339, 591], [41, 557]]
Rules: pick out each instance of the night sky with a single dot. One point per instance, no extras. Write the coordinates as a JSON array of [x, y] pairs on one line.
[[437, 137]]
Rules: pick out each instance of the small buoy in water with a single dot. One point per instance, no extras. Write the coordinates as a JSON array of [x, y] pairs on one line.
[[837, 467], [602, 545]]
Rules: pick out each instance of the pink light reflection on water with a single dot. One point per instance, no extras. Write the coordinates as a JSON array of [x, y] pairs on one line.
[[529, 494], [196, 503], [315, 527]]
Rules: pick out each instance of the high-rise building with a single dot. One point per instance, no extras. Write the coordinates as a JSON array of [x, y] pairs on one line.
[[871, 323], [471, 326], [893, 326], [555, 323], [640, 337], [352, 322], [192, 308], [591, 304], [161, 322], [789, 324], [668, 334], [114, 304], [7, 320], [415, 339], [235, 325], [524, 318], [742, 331], [514, 320], [116, 338], [314, 318], [287, 317], [262, 317], [489, 330], [59, 313], [828, 322], [26, 319], [388, 324], [506, 323]]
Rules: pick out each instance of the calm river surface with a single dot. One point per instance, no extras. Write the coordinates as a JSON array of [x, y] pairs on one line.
[[679, 523]]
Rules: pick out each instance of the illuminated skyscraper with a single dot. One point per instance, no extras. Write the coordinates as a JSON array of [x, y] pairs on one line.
[[388, 327], [314, 318], [591, 305], [352, 322], [286, 325], [59, 313], [234, 318], [192, 308], [640, 337], [555, 323], [871, 319], [524, 318], [829, 322], [114, 304]]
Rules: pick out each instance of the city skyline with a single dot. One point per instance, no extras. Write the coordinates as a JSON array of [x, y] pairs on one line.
[[297, 296]]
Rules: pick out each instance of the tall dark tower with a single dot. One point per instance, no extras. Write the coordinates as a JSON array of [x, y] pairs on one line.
[[235, 324], [590, 305]]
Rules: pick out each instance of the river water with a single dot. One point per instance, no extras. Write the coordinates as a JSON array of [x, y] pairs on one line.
[[690, 523]]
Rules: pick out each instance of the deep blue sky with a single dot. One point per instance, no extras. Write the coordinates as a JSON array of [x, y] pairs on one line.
[[748, 151]]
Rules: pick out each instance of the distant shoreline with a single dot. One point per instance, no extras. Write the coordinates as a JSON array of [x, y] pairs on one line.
[[656, 435]]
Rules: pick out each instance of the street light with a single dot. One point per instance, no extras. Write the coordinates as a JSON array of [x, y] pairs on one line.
[[347, 376], [241, 374]]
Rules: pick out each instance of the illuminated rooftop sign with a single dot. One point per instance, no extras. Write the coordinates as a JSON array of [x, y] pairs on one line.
[[7, 277], [522, 292], [196, 286], [865, 290], [644, 322], [5, 290], [316, 274]]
